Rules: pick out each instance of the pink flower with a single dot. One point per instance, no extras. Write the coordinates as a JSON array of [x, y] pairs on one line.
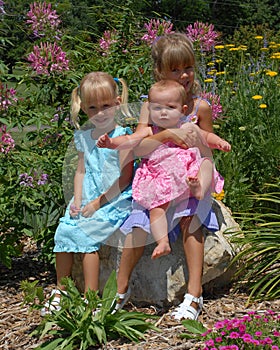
[[107, 40], [7, 97], [43, 19], [7, 143], [203, 34], [156, 28], [216, 106], [48, 58]]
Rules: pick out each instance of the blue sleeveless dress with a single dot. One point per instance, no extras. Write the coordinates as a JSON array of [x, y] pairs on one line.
[[86, 235]]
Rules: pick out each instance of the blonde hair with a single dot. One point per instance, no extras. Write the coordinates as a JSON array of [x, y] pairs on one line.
[[170, 51], [97, 86], [166, 84]]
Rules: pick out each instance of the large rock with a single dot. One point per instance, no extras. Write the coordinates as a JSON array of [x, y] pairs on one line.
[[163, 281]]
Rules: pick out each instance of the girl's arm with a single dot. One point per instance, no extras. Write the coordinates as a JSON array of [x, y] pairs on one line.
[[128, 141], [204, 114], [75, 207], [125, 179]]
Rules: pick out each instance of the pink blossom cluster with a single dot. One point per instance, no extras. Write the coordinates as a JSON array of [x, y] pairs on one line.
[[2, 11], [48, 58], [42, 18], [31, 181], [7, 143], [203, 34], [156, 28], [251, 331], [216, 106], [7, 97], [107, 40]]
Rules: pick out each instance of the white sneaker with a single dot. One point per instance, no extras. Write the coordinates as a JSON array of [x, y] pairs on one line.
[[53, 303]]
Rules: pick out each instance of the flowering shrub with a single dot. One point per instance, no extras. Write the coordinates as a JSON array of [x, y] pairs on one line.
[[203, 35], [156, 28], [48, 58], [252, 331], [43, 20]]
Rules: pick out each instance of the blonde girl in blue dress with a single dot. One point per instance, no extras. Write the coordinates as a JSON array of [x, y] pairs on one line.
[[102, 183]]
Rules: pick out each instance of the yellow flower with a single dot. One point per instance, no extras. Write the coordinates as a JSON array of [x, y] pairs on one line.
[[216, 126], [220, 73], [219, 47], [209, 80], [229, 81], [219, 196], [263, 105], [210, 64], [242, 128], [212, 72], [271, 73], [259, 37], [264, 49], [233, 49], [229, 45], [257, 97], [219, 61]]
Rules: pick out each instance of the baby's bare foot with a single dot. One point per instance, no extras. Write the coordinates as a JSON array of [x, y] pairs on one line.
[[163, 248], [195, 187]]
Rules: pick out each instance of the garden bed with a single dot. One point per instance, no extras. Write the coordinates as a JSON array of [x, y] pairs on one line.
[[18, 321]]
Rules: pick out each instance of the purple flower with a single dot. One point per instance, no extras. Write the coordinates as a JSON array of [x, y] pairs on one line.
[[43, 19], [48, 58], [203, 34], [156, 28], [26, 180]]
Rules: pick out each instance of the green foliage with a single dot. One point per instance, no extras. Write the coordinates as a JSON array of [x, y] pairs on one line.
[[82, 323], [259, 256]]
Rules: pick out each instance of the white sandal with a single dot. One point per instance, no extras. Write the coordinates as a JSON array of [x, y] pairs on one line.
[[186, 311], [53, 303], [122, 299]]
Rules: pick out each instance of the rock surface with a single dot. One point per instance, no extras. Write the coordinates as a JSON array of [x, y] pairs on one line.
[[163, 281]]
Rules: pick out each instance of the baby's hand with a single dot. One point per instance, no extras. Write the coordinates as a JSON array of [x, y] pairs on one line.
[[224, 146], [104, 141], [74, 211]]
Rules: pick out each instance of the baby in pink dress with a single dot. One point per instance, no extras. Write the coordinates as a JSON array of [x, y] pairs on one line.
[[158, 180]]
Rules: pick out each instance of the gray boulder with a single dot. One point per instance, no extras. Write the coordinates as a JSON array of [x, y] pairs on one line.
[[162, 281]]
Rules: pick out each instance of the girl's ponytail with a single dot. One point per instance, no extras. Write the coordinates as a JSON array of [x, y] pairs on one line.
[[75, 107]]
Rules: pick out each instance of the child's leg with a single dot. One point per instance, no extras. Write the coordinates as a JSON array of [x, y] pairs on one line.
[[199, 185], [159, 228], [91, 270], [64, 263]]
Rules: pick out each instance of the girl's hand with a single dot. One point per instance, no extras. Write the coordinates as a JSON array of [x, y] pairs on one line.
[[187, 136], [90, 208], [74, 210]]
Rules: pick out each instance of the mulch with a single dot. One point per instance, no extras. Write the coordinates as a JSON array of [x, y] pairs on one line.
[[18, 320]]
